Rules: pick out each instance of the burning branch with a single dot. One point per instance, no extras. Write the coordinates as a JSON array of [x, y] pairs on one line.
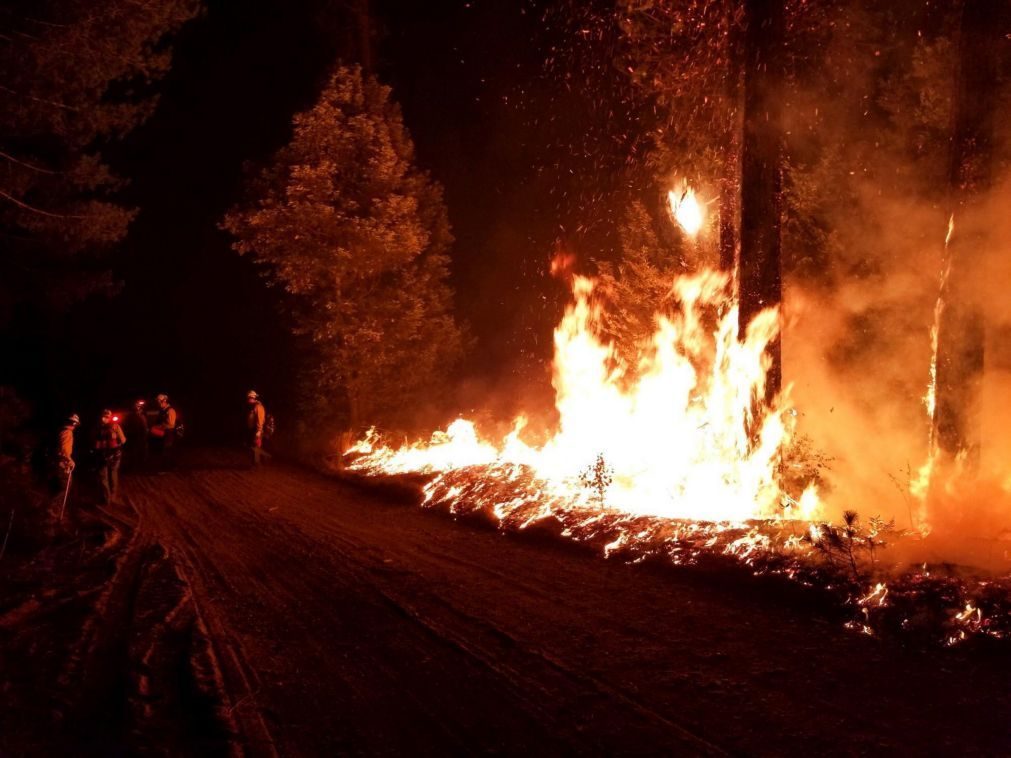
[[686, 209]]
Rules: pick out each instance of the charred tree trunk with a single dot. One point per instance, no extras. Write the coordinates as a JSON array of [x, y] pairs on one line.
[[730, 186], [350, 24], [351, 430], [961, 330], [730, 181], [363, 20], [760, 279]]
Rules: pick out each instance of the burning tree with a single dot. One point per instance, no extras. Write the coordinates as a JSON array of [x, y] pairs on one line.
[[639, 283], [598, 477], [670, 437], [688, 58], [760, 280], [357, 236], [961, 328], [719, 70]]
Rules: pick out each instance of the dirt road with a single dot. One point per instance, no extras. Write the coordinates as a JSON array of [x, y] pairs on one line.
[[279, 612]]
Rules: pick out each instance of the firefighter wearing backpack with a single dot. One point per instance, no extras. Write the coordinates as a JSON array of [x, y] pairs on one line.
[[109, 441], [257, 427], [163, 432], [136, 422]]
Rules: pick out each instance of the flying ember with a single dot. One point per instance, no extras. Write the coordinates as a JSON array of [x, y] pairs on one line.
[[681, 434]]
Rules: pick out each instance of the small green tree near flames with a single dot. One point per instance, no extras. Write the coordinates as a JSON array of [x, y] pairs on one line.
[[843, 545], [598, 477], [357, 237]]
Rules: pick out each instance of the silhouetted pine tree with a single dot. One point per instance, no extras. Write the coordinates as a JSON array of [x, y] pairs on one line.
[[74, 74], [358, 237]]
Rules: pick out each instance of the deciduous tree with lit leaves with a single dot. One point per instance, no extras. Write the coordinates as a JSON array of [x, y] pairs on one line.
[[357, 236]]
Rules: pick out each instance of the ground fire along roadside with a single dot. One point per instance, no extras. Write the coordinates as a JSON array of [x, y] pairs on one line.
[[684, 480]]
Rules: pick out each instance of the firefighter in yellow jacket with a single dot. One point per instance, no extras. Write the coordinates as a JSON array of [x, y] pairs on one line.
[[109, 441], [256, 419], [64, 463]]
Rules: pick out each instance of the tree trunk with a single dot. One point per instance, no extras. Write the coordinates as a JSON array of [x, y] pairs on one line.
[[961, 330], [730, 180], [730, 186], [760, 279], [363, 20]]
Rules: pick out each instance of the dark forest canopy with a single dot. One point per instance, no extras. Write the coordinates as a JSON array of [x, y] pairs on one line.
[[77, 75], [550, 124]]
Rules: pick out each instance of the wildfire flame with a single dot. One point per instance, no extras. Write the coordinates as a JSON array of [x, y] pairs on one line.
[[877, 596], [676, 435], [671, 456], [562, 264], [930, 398], [919, 486], [687, 210]]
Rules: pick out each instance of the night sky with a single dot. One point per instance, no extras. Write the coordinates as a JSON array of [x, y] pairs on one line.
[[504, 114]]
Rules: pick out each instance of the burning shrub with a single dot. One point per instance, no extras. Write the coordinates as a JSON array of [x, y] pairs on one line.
[[802, 464], [850, 544]]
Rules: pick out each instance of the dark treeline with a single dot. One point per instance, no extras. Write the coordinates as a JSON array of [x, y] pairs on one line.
[[126, 129], [139, 151]]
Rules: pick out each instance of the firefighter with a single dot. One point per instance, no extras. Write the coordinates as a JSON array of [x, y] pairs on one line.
[[163, 431], [109, 441], [255, 421], [64, 463], [136, 424]]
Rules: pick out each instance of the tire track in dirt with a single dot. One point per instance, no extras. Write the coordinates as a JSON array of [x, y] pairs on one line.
[[536, 685], [353, 616], [109, 648], [511, 653], [477, 637], [510, 657], [502, 652], [95, 671], [277, 599], [718, 652], [216, 664]]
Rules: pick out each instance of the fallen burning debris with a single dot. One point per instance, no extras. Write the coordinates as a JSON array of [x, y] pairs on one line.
[[851, 570]]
